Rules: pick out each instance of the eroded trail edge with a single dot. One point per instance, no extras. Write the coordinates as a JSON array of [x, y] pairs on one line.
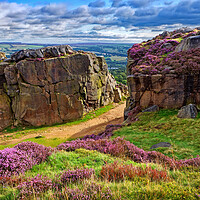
[[93, 126]]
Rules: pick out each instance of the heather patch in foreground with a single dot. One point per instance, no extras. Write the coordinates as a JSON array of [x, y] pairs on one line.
[[77, 175], [122, 148], [24, 156], [90, 191], [179, 183], [14, 162], [34, 187]]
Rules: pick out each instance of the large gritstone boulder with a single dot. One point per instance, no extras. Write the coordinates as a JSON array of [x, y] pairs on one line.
[[53, 85]]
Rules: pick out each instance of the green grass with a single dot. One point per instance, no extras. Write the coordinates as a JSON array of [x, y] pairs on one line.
[[80, 158], [117, 58], [164, 126], [142, 189], [50, 142]]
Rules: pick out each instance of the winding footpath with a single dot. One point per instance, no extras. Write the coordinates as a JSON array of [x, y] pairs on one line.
[[92, 126]]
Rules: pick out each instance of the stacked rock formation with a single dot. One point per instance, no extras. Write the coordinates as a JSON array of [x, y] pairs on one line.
[[53, 85], [165, 71]]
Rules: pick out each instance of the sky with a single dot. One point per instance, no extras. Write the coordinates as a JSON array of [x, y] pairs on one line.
[[88, 21]]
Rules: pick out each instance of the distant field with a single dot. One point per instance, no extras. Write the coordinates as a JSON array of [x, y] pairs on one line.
[[27, 46], [118, 58], [10, 48]]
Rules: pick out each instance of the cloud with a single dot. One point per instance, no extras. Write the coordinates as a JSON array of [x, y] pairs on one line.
[[53, 9], [185, 12], [139, 3], [80, 12], [118, 3], [146, 12], [12, 10], [168, 2], [121, 20], [125, 12], [97, 3], [98, 28], [101, 11]]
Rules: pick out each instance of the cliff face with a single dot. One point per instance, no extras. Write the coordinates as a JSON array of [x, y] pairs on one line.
[[52, 85], [165, 71]]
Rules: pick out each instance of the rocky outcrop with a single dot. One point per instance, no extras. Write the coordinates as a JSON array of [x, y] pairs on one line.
[[48, 52], [189, 43], [53, 85], [158, 74], [166, 91]]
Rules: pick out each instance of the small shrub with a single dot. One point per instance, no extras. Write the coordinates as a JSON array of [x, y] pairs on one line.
[[75, 175], [194, 162], [119, 172], [34, 186], [90, 191], [38, 153], [11, 181], [14, 162]]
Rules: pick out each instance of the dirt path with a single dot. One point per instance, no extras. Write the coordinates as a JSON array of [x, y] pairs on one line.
[[93, 126]]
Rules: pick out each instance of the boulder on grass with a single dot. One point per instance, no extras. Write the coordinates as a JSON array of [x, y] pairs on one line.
[[189, 111], [161, 144]]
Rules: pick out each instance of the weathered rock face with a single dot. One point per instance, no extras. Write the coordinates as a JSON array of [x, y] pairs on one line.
[[153, 108], [48, 52], [165, 72], [166, 91], [189, 43], [45, 89], [5, 108], [5, 111]]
